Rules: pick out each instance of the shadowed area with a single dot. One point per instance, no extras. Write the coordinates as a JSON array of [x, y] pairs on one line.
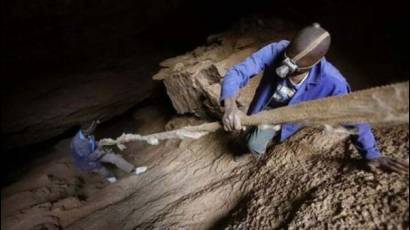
[[152, 66]]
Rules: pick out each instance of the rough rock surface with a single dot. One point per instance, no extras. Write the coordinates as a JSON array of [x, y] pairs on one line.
[[65, 62], [193, 80], [42, 112], [311, 180]]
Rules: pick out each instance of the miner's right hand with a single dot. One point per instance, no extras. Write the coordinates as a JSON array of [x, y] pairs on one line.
[[232, 117], [389, 164]]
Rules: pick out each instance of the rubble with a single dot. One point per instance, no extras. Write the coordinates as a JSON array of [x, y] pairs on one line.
[[193, 80]]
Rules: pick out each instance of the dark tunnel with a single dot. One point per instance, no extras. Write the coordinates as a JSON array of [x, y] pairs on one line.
[[68, 62], [45, 44]]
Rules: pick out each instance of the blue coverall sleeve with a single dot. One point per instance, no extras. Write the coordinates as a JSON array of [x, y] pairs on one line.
[[97, 154], [364, 139], [238, 76]]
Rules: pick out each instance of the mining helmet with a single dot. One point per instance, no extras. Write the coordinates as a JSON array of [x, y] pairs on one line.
[[305, 50]]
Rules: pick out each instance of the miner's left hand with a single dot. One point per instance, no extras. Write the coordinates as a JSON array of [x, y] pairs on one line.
[[389, 164]]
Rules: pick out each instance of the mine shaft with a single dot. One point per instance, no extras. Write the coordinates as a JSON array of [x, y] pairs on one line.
[[205, 115]]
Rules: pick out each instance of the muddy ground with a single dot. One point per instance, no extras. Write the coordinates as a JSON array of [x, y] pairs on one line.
[[312, 181]]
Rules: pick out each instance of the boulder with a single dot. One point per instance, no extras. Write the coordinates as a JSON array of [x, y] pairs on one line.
[[193, 80]]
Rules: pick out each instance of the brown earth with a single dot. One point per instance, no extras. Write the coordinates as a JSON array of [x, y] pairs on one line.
[[316, 181], [313, 180]]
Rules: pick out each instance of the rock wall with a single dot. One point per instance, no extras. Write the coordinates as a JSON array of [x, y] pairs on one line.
[[193, 80], [312, 180], [37, 112], [66, 62]]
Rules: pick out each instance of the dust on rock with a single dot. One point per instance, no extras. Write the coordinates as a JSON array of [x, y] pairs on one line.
[[327, 191]]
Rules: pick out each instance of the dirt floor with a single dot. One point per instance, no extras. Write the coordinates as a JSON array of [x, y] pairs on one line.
[[312, 181]]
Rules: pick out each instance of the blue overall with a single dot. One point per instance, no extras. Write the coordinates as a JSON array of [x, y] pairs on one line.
[[84, 151], [324, 80]]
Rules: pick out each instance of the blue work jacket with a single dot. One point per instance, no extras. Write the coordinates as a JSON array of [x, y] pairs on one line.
[[85, 153], [324, 80]]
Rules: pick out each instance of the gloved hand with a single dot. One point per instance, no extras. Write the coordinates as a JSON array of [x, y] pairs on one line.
[[232, 117], [389, 164]]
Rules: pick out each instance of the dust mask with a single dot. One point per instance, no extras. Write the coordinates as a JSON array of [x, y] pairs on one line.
[[289, 66]]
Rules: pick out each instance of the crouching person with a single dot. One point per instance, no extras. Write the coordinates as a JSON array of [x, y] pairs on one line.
[[89, 157]]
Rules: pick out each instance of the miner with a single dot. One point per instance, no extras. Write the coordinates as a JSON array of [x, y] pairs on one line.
[[294, 72], [88, 156]]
